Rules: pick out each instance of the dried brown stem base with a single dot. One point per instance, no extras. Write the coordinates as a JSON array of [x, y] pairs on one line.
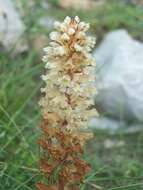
[[62, 150]]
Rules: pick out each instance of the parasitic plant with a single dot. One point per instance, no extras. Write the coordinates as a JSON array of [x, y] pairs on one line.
[[67, 105]]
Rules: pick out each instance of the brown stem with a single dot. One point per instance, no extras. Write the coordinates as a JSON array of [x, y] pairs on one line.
[[61, 184]]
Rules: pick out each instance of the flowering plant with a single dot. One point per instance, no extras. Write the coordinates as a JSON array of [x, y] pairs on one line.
[[66, 105]]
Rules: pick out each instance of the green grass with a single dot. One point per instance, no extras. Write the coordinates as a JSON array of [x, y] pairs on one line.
[[19, 118], [117, 167]]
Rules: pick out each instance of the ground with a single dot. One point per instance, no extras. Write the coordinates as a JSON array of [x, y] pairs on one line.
[[116, 159]]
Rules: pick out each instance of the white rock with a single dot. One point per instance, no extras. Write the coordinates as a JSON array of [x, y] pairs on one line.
[[120, 77], [11, 26], [114, 126], [105, 123]]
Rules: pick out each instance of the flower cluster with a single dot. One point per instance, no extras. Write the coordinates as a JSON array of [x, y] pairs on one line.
[[67, 103]]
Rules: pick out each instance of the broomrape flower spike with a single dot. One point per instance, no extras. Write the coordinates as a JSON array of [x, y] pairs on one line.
[[66, 105]]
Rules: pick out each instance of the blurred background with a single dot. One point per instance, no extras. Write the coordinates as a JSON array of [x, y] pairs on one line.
[[116, 152]]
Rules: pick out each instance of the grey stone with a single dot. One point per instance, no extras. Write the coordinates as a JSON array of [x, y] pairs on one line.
[[119, 77], [114, 126], [11, 26]]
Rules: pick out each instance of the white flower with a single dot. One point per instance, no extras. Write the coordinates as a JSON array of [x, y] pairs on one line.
[[47, 49], [63, 27], [88, 48], [71, 31], [84, 26], [50, 65], [67, 20], [81, 25], [87, 26], [57, 25], [78, 48], [65, 37], [44, 77], [54, 36], [53, 44], [43, 90], [45, 58], [77, 19], [90, 41], [81, 35], [59, 51]]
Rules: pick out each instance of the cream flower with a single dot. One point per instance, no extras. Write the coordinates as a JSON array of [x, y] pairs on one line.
[[71, 31], [69, 80], [54, 36], [66, 103], [67, 20], [65, 37]]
